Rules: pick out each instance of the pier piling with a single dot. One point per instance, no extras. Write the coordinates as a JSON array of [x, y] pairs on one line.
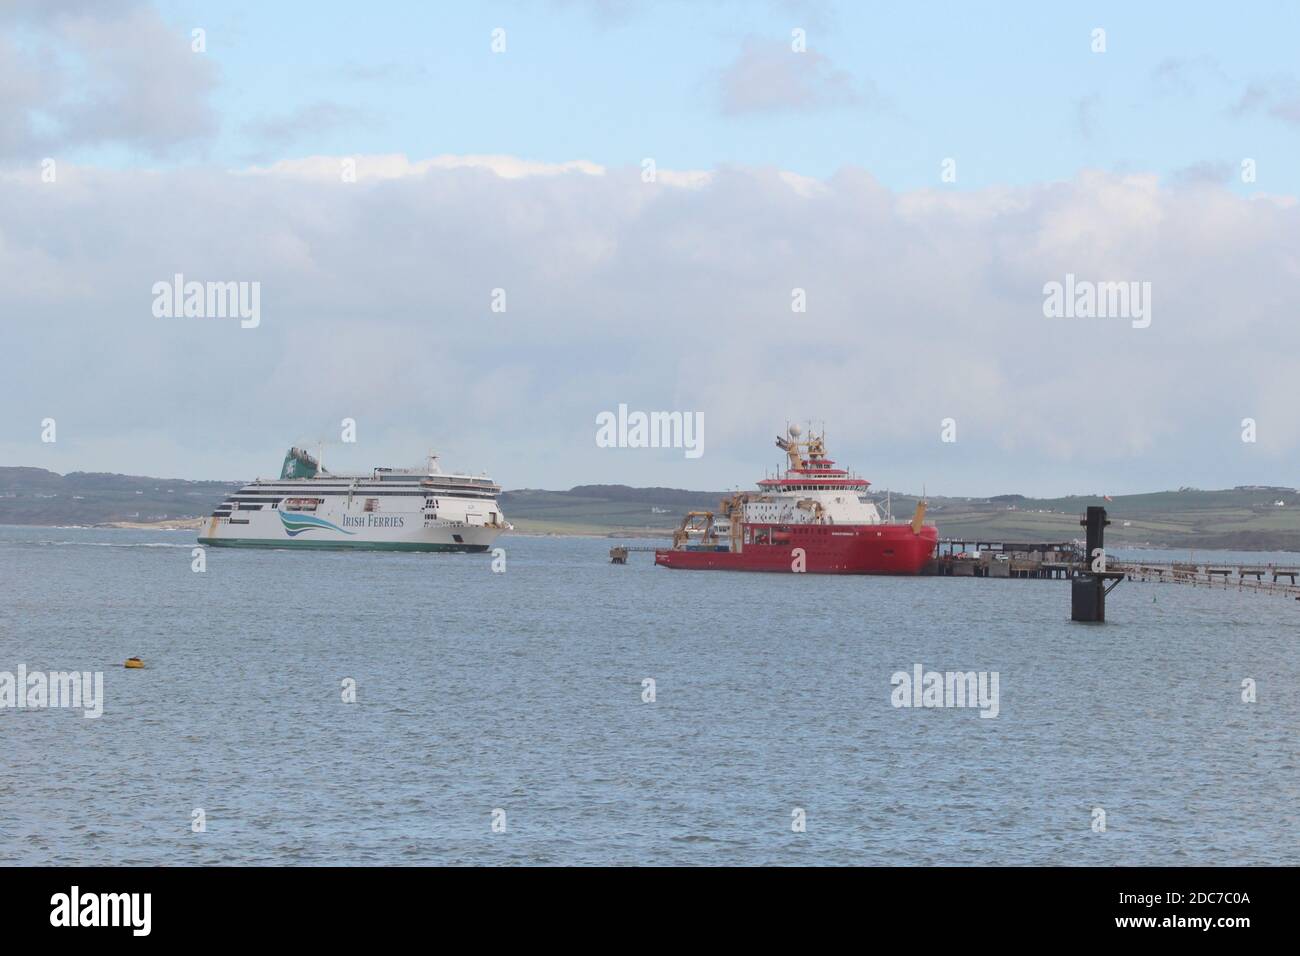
[[1088, 590]]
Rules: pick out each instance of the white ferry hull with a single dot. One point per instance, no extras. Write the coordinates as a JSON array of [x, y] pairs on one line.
[[389, 510], [268, 530]]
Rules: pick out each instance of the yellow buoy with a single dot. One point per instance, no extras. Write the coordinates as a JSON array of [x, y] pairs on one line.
[[134, 662]]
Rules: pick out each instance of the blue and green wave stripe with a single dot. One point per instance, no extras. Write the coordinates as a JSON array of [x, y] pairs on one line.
[[295, 524]]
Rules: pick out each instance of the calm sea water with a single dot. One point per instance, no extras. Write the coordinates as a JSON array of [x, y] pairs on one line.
[[522, 691]]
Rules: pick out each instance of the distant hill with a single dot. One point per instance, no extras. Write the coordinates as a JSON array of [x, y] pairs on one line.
[[1248, 519], [602, 509], [40, 497], [1245, 518]]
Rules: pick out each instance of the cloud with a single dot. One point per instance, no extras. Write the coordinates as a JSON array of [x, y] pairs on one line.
[[1185, 75], [616, 13], [312, 119], [1278, 97], [1085, 115], [46, 11], [1288, 110], [605, 13], [1205, 172], [1252, 97], [398, 166], [114, 74], [770, 77], [376, 304]]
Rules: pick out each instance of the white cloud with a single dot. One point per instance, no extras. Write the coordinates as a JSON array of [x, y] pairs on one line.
[[921, 305], [398, 166]]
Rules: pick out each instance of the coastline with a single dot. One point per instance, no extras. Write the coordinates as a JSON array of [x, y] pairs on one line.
[[536, 529], [167, 524], [195, 524]]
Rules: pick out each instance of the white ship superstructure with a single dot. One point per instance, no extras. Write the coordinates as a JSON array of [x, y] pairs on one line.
[[396, 509]]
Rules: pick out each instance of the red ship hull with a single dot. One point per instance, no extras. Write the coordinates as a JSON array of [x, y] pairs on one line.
[[827, 549]]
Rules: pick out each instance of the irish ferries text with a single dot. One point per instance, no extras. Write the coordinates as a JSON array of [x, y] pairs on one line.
[[374, 521]]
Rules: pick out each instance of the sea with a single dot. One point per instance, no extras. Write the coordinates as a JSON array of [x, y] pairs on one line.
[[543, 706]]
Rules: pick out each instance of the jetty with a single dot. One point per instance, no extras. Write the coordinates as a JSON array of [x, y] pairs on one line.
[[982, 558], [1274, 579], [619, 553], [1064, 561]]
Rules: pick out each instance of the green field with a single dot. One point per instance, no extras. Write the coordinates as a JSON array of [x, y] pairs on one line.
[[1231, 518]]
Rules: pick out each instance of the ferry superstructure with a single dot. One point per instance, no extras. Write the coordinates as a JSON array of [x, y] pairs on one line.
[[814, 518], [391, 509]]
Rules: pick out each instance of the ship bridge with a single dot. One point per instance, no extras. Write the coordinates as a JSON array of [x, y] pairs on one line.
[[812, 489], [816, 475]]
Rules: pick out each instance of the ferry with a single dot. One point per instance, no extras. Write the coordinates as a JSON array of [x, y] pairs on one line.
[[815, 518], [391, 509]]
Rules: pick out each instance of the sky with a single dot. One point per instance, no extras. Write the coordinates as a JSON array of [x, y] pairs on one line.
[[476, 227]]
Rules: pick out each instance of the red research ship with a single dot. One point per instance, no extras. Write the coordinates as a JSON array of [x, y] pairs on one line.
[[815, 519]]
